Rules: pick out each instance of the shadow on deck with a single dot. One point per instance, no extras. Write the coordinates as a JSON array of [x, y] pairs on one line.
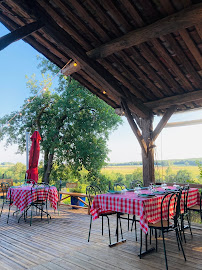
[[62, 244]]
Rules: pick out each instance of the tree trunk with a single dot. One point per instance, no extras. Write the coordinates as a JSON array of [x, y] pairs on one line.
[[47, 168], [148, 160]]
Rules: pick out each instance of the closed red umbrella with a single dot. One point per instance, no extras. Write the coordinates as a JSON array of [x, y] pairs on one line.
[[32, 172]]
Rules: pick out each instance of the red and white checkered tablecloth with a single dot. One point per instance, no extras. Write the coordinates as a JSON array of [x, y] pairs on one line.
[[148, 209], [22, 196]]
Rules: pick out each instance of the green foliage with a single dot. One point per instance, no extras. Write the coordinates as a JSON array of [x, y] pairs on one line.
[[74, 125]]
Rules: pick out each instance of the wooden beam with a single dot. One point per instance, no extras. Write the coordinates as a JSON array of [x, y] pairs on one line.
[[71, 68], [163, 122], [184, 123], [174, 100], [67, 44], [192, 47], [20, 33], [134, 127], [175, 22]]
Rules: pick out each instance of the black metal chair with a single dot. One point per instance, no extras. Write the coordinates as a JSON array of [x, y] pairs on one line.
[[169, 222], [4, 190], [196, 208], [39, 195], [133, 185], [185, 214], [94, 190]]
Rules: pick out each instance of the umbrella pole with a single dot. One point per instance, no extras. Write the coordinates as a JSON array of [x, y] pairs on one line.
[[27, 150]]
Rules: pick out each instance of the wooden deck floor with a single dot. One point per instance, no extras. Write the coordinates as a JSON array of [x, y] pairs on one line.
[[62, 244]]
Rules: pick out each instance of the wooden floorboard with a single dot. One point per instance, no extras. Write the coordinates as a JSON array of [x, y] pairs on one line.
[[62, 244]]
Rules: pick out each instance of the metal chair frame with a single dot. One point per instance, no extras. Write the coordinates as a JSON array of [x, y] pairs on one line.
[[169, 227], [96, 190]]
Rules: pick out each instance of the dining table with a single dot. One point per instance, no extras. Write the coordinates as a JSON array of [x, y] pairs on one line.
[[144, 203], [22, 196]]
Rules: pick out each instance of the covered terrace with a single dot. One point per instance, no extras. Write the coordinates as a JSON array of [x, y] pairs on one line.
[[141, 57]]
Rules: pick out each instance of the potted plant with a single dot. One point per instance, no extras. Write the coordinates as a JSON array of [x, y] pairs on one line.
[[75, 200]]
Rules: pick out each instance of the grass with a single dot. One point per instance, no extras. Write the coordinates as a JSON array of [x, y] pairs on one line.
[[112, 170]]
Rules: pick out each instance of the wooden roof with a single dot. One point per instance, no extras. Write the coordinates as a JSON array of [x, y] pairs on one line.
[[144, 52]]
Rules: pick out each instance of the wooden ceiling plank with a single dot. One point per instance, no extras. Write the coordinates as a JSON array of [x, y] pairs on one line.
[[117, 74], [20, 33], [149, 54], [142, 89], [184, 60], [163, 122], [104, 17], [192, 47], [141, 74], [76, 20], [92, 23], [62, 23], [134, 127], [178, 100], [165, 90], [162, 51], [169, 24], [199, 29]]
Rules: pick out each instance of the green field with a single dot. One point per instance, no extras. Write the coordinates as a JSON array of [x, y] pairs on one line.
[[113, 170]]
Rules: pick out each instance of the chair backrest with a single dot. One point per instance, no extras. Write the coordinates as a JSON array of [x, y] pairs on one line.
[[170, 208], [42, 191], [4, 189], [185, 195], [119, 186], [135, 183], [92, 190]]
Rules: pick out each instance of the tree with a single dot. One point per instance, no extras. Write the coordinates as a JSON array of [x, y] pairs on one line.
[[73, 123]]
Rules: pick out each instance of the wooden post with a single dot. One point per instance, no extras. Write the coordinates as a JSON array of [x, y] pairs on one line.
[[148, 160]]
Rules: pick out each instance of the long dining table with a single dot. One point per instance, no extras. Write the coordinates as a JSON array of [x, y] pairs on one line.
[[144, 204]]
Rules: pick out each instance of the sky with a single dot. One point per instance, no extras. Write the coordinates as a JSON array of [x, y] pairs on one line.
[[19, 59]]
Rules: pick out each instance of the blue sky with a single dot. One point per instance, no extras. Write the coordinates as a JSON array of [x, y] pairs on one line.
[[19, 59]]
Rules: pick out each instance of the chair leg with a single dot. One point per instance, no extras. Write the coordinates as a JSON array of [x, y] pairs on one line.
[[90, 228], [9, 209], [109, 230], [164, 247], [178, 239], [182, 227], [177, 232], [156, 239], [2, 208], [128, 221], [189, 222], [120, 227], [31, 216], [140, 243], [150, 236]]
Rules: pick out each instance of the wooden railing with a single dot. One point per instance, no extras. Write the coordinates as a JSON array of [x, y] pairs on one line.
[[78, 196]]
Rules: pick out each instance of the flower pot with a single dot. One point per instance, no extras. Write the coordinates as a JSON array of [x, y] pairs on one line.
[[75, 201]]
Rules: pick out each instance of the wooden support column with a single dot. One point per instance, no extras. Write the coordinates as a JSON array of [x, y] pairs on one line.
[[148, 160]]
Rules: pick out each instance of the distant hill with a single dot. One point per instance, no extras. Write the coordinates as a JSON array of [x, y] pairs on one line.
[[176, 162], [4, 164]]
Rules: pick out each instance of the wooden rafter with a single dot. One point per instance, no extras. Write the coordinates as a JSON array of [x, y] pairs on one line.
[[180, 20], [163, 122], [20, 33], [75, 51], [71, 68], [134, 127], [175, 100]]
